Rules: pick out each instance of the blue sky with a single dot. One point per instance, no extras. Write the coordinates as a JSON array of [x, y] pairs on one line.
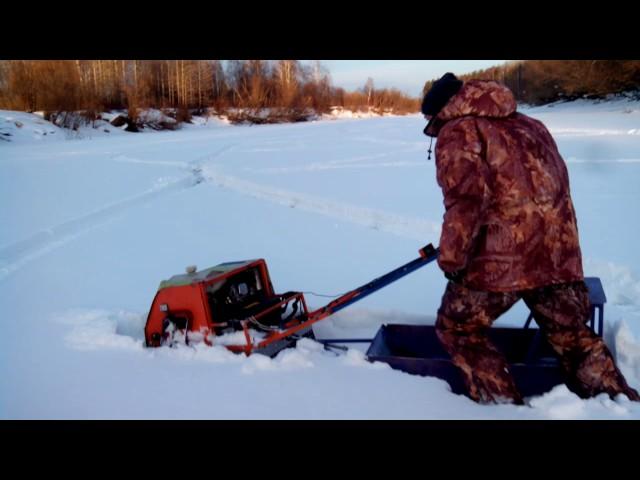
[[406, 75]]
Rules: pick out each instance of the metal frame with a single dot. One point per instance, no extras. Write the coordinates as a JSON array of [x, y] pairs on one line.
[[427, 255]]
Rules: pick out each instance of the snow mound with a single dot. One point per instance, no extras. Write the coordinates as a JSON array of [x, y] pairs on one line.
[[209, 121], [94, 329], [342, 113], [153, 115], [289, 359], [100, 329], [561, 403], [627, 352], [619, 282], [155, 119], [24, 128]]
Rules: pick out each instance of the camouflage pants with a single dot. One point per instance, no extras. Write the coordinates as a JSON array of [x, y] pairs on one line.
[[561, 312]]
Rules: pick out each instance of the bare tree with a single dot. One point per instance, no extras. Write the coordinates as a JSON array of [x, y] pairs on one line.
[[287, 83], [368, 89]]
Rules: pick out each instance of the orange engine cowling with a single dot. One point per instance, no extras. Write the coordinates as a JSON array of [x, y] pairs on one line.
[[203, 303]]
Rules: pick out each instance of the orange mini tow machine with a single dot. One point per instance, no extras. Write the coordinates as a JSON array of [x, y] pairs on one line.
[[234, 296]]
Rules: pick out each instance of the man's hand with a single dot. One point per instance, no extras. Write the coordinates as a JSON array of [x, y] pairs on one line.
[[455, 277]]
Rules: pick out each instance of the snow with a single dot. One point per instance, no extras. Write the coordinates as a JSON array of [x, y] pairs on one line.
[[154, 115], [93, 222], [21, 127], [561, 404], [340, 112]]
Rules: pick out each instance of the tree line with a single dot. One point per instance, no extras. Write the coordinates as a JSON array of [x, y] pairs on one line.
[[537, 82], [185, 86]]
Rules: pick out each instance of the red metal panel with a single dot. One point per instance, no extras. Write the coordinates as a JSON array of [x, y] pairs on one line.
[[193, 299], [186, 298]]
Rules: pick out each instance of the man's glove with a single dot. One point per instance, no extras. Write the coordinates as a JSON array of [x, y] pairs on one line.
[[455, 277]]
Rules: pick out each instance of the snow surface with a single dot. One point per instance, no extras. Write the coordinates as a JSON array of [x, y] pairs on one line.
[[21, 127], [93, 223]]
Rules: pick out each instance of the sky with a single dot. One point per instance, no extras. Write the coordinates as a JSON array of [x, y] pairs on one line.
[[408, 76]]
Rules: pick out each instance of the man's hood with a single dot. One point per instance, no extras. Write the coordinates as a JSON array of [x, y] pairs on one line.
[[478, 98]]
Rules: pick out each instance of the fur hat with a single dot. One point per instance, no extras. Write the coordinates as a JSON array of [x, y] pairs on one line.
[[440, 93]]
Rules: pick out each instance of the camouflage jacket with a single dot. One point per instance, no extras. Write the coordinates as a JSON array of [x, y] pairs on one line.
[[509, 221]]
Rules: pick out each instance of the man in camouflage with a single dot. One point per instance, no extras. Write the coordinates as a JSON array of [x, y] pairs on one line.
[[509, 233]]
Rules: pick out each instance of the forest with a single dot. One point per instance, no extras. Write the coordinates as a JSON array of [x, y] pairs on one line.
[[239, 89], [537, 82], [270, 91]]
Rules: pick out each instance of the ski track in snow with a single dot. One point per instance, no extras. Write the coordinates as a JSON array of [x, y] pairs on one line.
[[16, 255], [351, 162], [127, 159], [407, 227]]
